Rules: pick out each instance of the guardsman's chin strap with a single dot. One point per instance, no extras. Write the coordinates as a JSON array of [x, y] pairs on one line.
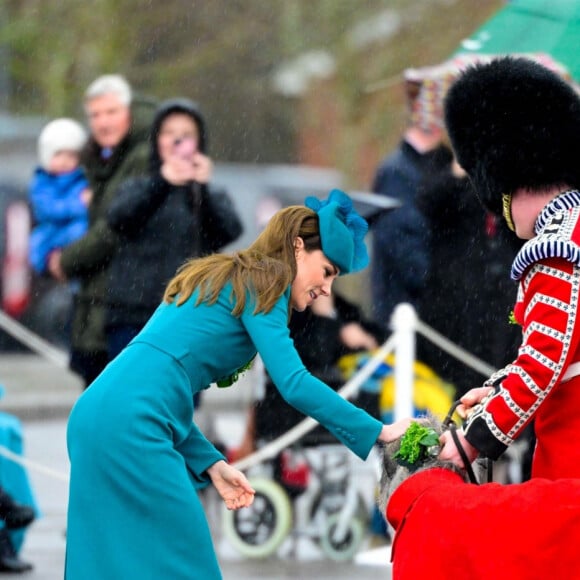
[[450, 424]]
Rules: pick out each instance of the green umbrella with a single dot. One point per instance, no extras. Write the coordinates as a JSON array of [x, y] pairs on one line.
[[532, 26]]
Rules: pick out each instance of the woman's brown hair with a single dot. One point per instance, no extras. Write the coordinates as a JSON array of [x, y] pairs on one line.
[[265, 269]]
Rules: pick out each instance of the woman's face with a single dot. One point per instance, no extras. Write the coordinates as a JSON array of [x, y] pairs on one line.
[[315, 274], [175, 127]]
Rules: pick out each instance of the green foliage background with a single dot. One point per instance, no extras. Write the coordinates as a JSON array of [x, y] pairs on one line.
[[223, 53]]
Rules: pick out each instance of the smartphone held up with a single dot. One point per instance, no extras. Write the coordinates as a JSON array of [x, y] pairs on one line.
[[185, 147]]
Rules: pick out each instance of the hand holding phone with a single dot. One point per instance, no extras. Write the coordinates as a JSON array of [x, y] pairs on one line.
[[185, 148], [187, 163]]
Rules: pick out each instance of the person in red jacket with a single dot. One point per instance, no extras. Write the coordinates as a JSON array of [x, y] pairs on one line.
[[514, 127]]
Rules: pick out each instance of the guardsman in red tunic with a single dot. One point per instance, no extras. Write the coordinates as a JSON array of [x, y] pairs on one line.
[[515, 127]]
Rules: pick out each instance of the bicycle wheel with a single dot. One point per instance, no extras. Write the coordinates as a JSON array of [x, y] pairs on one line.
[[259, 530], [348, 546]]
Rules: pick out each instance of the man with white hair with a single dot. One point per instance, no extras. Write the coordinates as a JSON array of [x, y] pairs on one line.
[[107, 106], [117, 149]]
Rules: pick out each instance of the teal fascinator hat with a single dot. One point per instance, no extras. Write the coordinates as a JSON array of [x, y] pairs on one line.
[[342, 231]]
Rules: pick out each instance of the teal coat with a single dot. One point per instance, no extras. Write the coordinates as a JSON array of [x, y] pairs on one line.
[[137, 457]]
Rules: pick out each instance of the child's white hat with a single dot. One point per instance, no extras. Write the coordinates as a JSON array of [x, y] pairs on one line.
[[59, 135]]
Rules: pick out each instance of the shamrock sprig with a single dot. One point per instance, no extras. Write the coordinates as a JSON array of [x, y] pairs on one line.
[[415, 444], [233, 378]]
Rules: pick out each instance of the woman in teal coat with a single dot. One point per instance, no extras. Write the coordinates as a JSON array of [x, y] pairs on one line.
[[137, 458]]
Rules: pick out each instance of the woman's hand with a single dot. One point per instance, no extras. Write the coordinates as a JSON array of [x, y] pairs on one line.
[[232, 485], [449, 451], [470, 399], [394, 430]]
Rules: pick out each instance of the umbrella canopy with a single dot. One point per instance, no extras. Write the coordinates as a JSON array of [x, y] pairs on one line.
[[532, 26]]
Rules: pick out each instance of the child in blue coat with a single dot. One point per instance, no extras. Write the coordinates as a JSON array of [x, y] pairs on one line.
[[59, 191]]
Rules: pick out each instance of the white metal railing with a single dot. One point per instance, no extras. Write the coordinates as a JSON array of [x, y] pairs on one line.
[[34, 342], [348, 390], [404, 322]]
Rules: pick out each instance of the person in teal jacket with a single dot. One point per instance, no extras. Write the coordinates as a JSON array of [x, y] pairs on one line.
[[137, 459]]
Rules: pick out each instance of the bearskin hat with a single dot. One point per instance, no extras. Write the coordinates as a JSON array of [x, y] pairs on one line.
[[513, 123]]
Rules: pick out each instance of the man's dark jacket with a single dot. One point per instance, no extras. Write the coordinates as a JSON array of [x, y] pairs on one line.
[[88, 258]]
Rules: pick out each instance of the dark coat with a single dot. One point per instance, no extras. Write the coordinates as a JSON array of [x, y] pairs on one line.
[[317, 341], [400, 257], [468, 294], [88, 258], [160, 226]]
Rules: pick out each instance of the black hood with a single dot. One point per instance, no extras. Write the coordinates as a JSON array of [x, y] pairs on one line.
[[166, 108]]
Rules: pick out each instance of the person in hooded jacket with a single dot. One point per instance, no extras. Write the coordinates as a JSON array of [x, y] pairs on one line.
[[162, 219]]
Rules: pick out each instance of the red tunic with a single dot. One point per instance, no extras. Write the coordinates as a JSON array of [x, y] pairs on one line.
[[535, 385], [446, 528]]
